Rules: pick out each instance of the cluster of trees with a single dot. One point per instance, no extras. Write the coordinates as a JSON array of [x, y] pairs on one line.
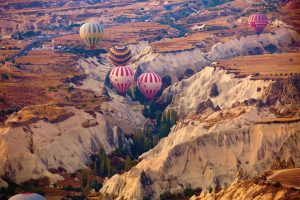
[[187, 192], [212, 3], [145, 139], [122, 19], [88, 181], [22, 35], [102, 164], [71, 26], [35, 186], [83, 52]]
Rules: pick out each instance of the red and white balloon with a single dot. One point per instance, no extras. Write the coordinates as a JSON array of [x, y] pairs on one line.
[[149, 84], [292, 4], [122, 78], [257, 22], [27, 196]]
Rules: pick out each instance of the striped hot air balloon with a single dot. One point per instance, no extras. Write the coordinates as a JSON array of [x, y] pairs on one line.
[[149, 84], [257, 22], [91, 33], [122, 77], [119, 55], [27, 196], [292, 5]]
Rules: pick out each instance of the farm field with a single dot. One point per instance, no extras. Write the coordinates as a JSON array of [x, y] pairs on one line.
[[126, 33], [268, 66]]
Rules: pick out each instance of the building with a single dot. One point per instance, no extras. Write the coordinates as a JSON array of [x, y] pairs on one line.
[[48, 46], [8, 64]]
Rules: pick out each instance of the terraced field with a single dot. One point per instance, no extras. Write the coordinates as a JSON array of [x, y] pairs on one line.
[[267, 66]]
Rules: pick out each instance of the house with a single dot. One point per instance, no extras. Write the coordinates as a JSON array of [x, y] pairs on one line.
[[8, 64], [199, 28], [48, 46]]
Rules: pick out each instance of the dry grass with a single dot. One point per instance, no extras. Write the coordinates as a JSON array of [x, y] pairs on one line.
[[39, 112], [7, 53], [267, 66], [14, 43], [46, 57], [126, 33], [289, 177], [279, 120], [189, 42]]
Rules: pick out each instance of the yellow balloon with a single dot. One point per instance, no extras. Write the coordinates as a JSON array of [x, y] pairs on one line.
[[91, 33]]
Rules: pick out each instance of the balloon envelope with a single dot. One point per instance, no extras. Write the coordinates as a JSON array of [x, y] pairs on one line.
[[27, 196], [149, 84], [119, 55], [257, 22], [122, 78], [91, 33], [292, 5]]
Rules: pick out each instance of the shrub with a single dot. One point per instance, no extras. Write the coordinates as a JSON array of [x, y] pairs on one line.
[[210, 189], [188, 192], [277, 184], [165, 196], [5, 76], [52, 89], [70, 88], [71, 188]]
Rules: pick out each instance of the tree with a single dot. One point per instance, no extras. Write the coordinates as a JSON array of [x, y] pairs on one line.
[[84, 178], [103, 171], [172, 117], [158, 117], [127, 163], [163, 129], [139, 96], [138, 143], [108, 167], [155, 140], [147, 144], [101, 163]]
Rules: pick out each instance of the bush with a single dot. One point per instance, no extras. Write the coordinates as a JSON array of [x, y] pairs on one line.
[[121, 152], [197, 191], [70, 88], [165, 196], [5, 76], [96, 186], [210, 189], [188, 192], [52, 89], [71, 188], [277, 184]]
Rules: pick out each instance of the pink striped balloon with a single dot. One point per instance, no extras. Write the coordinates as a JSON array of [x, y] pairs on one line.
[[27, 196], [122, 77], [149, 84], [257, 22], [292, 5]]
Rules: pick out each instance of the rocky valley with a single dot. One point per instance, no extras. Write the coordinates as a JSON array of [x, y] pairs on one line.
[[225, 123]]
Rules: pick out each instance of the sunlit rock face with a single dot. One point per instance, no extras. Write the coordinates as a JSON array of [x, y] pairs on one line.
[[200, 158], [31, 144], [237, 128], [186, 94]]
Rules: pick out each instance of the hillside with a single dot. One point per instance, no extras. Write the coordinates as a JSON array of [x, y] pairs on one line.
[[225, 124]]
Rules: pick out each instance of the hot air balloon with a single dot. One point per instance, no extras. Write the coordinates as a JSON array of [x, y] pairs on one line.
[[122, 77], [27, 196], [292, 5], [119, 55], [149, 84], [91, 33], [258, 22]]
